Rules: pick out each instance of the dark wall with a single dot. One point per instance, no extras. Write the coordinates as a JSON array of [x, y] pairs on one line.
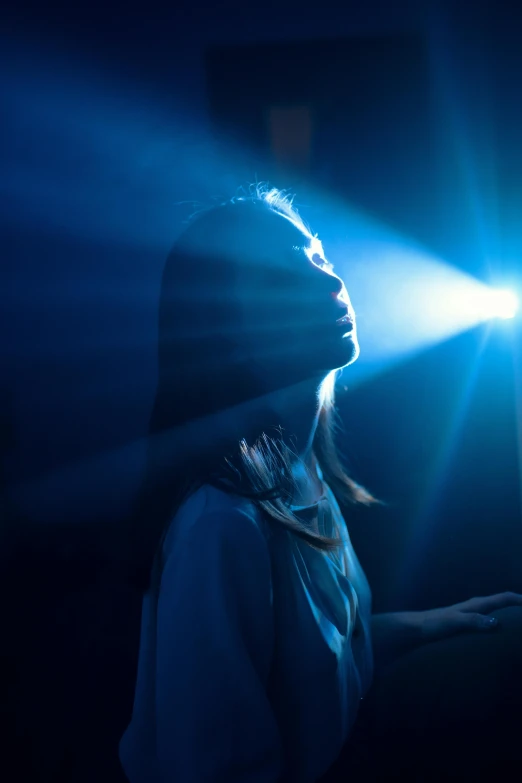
[[370, 101]]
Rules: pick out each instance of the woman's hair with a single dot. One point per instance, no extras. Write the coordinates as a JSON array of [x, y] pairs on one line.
[[211, 422]]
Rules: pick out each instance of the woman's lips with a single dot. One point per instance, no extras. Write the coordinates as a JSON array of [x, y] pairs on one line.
[[345, 321]]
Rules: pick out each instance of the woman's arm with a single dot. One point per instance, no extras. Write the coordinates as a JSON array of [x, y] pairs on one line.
[[399, 632], [214, 650], [395, 634]]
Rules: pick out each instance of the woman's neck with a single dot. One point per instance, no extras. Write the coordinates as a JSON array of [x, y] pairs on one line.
[[297, 408], [294, 409]]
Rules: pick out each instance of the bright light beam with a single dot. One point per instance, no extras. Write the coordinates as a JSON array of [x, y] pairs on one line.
[[502, 304], [407, 301]]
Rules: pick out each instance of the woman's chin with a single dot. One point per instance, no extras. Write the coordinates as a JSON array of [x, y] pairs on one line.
[[345, 352], [354, 349]]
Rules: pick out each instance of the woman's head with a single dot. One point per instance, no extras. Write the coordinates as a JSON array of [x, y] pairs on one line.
[[248, 305]]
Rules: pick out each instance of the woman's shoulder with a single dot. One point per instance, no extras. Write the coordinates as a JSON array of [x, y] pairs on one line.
[[209, 512]]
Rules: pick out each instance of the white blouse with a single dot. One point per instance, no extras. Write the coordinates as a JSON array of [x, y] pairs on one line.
[[255, 649]]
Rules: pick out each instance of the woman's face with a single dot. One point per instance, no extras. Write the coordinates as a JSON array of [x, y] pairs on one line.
[[295, 311]]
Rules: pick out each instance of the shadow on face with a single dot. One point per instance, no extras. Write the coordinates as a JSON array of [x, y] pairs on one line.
[[245, 310]]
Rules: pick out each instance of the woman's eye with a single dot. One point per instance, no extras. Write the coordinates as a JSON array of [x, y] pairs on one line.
[[322, 263]]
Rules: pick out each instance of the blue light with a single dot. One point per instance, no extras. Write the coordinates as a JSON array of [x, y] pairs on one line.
[[503, 304]]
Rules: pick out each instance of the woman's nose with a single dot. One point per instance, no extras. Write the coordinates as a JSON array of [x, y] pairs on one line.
[[331, 281], [336, 285]]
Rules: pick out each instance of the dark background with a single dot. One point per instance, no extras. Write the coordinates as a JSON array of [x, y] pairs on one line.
[[113, 119]]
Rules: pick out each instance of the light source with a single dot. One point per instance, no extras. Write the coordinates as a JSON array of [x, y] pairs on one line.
[[502, 304]]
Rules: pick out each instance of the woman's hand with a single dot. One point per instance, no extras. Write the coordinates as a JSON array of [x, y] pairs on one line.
[[472, 615], [397, 633]]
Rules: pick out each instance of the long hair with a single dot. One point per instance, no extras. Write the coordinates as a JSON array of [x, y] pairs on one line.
[[212, 422]]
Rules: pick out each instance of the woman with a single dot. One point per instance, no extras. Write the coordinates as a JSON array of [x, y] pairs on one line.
[[257, 641]]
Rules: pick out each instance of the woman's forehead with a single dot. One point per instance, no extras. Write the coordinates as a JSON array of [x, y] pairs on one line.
[[296, 235], [304, 239], [315, 247]]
